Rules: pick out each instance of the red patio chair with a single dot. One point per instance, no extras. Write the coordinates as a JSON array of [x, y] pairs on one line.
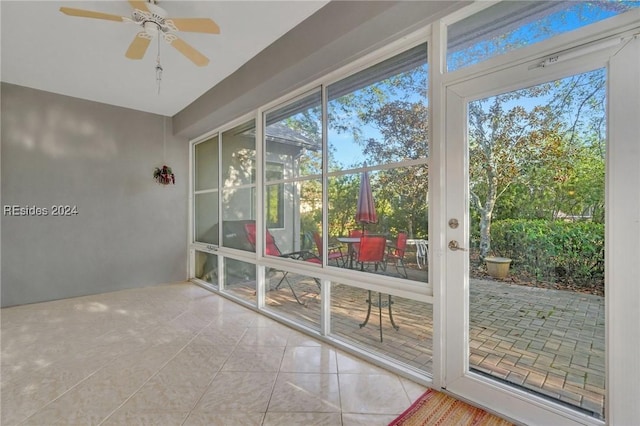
[[371, 250], [271, 249], [333, 252], [397, 251], [355, 247]]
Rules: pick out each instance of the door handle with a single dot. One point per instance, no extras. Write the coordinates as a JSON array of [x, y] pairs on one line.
[[454, 246]]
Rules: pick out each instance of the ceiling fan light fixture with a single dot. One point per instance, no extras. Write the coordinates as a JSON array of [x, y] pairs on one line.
[[154, 23], [151, 28]]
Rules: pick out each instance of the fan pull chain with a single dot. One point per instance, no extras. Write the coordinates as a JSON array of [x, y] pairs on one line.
[[164, 139], [158, 67]]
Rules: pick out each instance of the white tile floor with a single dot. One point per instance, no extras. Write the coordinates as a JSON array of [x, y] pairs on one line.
[[179, 355]]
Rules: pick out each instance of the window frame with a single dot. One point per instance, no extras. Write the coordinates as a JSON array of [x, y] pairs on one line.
[[279, 196], [435, 35]]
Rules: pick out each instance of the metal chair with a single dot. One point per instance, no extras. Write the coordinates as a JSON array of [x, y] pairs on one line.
[[271, 249], [422, 253], [333, 252], [355, 247], [371, 250], [397, 251]]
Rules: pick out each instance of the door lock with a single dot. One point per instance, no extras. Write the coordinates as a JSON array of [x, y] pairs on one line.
[[454, 246]]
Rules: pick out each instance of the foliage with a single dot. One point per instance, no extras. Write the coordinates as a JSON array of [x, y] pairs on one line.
[[343, 193], [535, 153], [541, 161], [570, 185], [503, 140], [391, 107], [402, 200], [553, 250], [402, 192], [349, 113]]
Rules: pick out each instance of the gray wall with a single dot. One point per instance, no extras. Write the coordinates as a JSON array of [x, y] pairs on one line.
[[129, 231]]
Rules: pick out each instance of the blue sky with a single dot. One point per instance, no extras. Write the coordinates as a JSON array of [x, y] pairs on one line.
[[579, 14]]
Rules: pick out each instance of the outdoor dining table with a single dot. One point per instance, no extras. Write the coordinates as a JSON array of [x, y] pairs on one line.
[[349, 241]]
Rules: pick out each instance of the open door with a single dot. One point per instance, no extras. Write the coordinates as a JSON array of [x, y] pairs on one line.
[[520, 143]]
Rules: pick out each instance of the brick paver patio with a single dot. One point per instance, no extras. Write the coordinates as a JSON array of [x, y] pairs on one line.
[[548, 341]]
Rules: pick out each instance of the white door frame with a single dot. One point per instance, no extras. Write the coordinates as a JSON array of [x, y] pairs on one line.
[[510, 401]]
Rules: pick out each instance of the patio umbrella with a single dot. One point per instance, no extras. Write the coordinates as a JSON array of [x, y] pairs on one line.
[[366, 209]]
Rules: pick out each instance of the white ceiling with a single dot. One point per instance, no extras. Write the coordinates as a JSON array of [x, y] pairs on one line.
[[44, 49]]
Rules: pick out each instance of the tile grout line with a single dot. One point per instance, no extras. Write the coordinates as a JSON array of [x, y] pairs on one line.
[[113, 359], [158, 370], [214, 376]]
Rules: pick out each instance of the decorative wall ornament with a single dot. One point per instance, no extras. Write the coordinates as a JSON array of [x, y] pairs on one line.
[[164, 175]]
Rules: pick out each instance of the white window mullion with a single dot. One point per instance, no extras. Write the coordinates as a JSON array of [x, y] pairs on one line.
[[259, 212], [191, 223], [325, 313], [221, 273], [437, 202], [325, 293]]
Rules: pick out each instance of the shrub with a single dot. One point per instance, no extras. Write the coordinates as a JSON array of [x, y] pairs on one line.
[[552, 250]]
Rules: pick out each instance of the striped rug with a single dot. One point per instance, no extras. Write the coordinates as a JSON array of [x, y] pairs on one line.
[[436, 408]]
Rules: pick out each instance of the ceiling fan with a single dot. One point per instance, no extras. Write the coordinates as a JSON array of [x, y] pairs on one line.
[[154, 22]]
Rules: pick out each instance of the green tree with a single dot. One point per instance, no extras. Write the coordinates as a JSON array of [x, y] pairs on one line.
[[343, 191], [502, 141], [544, 161], [403, 191]]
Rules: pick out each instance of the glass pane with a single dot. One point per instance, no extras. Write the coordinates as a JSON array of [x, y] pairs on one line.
[[274, 200], [207, 267], [235, 236], [238, 204], [401, 206], [293, 136], [379, 115], [239, 155], [410, 344], [536, 297], [238, 207], [302, 217], [206, 165], [510, 25], [206, 217], [294, 296], [240, 279]]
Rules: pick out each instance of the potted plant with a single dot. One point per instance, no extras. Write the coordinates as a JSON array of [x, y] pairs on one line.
[[498, 267], [164, 175]]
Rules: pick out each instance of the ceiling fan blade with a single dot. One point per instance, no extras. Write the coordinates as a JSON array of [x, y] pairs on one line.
[[138, 46], [90, 14], [140, 5], [196, 25], [192, 54]]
